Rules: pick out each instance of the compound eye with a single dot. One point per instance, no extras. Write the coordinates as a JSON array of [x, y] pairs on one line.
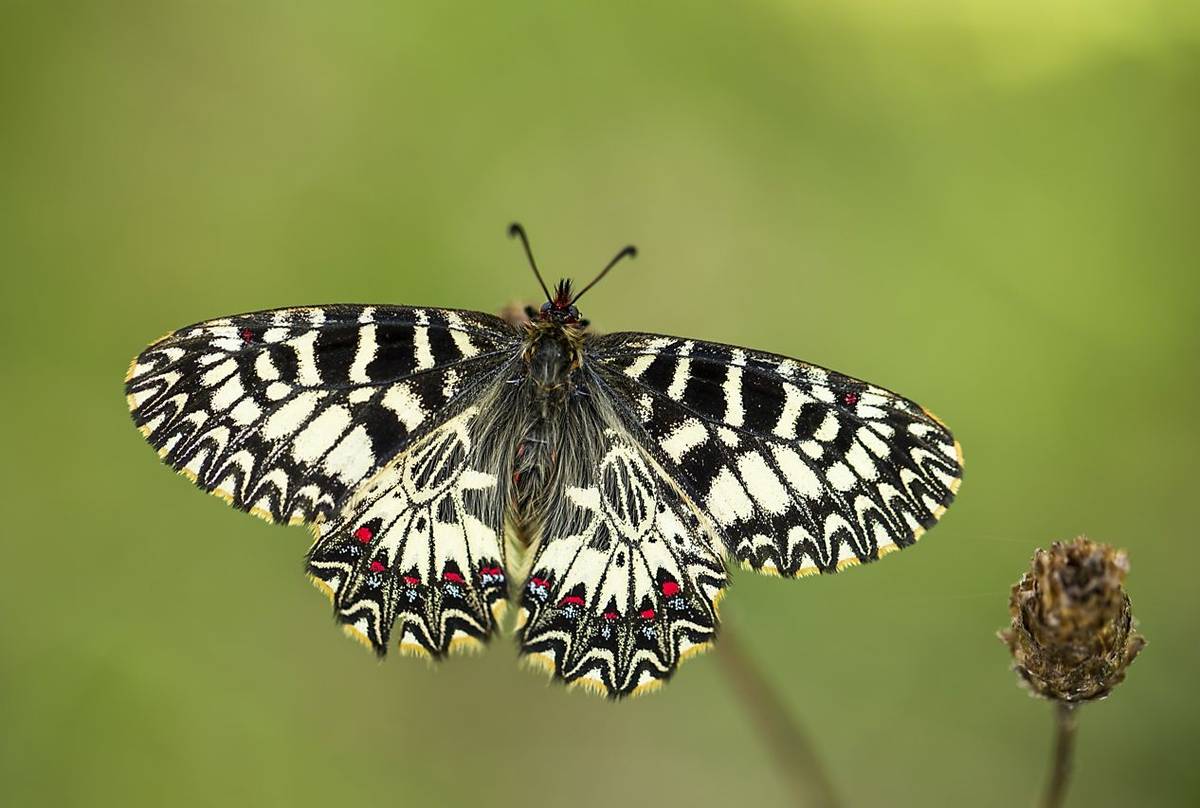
[[573, 313], [546, 307]]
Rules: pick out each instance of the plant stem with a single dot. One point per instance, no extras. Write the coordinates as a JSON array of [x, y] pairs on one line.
[[782, 734], [1064, 746]]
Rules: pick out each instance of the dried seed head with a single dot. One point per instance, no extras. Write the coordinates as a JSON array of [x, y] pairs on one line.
[[1072, 632]]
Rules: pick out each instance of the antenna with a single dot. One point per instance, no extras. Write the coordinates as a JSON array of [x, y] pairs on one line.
[[626, 252], [516, 231]]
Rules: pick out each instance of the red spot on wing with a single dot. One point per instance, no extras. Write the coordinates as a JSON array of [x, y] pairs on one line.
[[363, 534], [452, 577], [247, 335], [670, 588], [647, 614], [850, 398], [411, 581], [539, 582], [571, 600], [377, 566], [611, 615]]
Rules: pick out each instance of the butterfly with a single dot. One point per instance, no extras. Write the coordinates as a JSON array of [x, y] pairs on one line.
[[450, 462]]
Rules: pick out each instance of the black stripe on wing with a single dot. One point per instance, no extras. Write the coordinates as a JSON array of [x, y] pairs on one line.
[[283, 412], [800, 468]]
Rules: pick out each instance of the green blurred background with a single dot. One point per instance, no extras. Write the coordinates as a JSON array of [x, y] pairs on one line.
[[991, 207]]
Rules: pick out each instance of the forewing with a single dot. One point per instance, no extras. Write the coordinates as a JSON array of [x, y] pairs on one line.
[[800, 468], [283, 413], [626, 579], [419, 547]]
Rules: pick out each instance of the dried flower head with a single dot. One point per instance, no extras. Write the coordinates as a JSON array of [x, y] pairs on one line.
[[1072, 631]]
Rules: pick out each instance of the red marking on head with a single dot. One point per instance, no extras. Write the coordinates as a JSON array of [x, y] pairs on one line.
[[539, 582], [363, 534], [647, 614], [850, 398], [670, 588], [411, 581], [562, 294], [611, 615], [377, 566], [247, 335], [571, 600], [452, 577]]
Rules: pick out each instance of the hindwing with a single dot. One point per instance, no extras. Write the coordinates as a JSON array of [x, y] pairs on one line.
[[420, 546], [626, 578]]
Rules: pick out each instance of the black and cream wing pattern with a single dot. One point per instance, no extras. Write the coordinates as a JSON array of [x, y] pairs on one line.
[[448, 463], [357, 421], [798, 469]]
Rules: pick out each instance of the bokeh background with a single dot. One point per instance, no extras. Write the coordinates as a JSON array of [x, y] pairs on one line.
[[989, 206]]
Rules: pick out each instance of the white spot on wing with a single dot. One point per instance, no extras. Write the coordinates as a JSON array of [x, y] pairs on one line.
[[364, 353], [861, 462], [683, 369], [688, 435], [728, 436], [401, 400], [219, 373], [873, 442], [799, 474], [734, 412], [422, 350], [586, 498], [840, 476], [635, 370], [306, 359], [319, 436], [473, 479], [290, 416], [794, 399], [227, 394], [763, 484], [246, 412], [462, 340], [265, 368], [353, 457], [828, 429], [727, 500]]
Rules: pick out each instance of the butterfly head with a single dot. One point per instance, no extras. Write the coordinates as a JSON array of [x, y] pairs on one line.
[[560, 309]]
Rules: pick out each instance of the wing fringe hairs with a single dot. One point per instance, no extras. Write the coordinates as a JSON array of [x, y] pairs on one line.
[[391, 433]]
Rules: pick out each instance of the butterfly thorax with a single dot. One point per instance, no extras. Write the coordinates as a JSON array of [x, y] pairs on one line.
[[553, 355], [553, 352]]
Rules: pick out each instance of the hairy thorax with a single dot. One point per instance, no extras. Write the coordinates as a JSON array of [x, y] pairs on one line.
[[554, 357]]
